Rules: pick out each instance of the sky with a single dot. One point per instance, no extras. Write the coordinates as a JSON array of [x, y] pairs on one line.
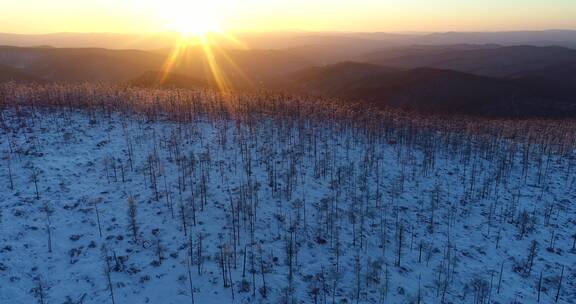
[[131, 16]]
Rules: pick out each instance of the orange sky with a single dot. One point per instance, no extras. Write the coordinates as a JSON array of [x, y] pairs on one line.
[[41, 16]]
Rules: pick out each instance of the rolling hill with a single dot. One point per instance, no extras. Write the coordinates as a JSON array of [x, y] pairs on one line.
[[430, 90], [472, 79], [242, 68], [78, 65], [558, 80], [486, 61], [10, 74]]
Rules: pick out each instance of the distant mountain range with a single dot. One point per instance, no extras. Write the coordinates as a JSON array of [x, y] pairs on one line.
[[10, 74], [242, 67], [77, 65], [483, 60], [296, 39], [432, 90], [477, 79]]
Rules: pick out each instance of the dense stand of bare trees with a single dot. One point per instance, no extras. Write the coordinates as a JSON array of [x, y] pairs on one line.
[[362, 225]]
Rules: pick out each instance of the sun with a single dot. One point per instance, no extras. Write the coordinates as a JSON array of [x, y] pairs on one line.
[[198, 24], [195, 25], [192, 18]]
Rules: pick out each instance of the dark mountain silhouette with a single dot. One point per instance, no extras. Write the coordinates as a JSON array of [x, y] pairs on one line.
[[242, 68], [10, 74], [416, 51], [557, 81], [335, 79], [430, 90], [328, 54], [487, 61], [77, 65], [471, 79]]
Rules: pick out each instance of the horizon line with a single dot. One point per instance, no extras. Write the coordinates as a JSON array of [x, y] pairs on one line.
[[296, 31]]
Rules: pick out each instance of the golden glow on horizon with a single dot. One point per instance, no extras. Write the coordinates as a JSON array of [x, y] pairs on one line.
[[41, 16]]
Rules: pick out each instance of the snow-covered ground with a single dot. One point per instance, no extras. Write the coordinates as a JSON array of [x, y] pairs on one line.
[[313, 213]]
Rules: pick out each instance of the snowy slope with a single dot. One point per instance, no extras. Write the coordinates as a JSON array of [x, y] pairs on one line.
[[316, 213]]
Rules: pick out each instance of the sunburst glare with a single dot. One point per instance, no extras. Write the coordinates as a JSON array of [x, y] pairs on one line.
[[197, 23], [191, 18]]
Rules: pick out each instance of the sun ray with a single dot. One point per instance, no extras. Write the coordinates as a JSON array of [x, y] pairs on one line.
[[198, 27], [215, 56], [236, 69], [216, 71], [175, 55]]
